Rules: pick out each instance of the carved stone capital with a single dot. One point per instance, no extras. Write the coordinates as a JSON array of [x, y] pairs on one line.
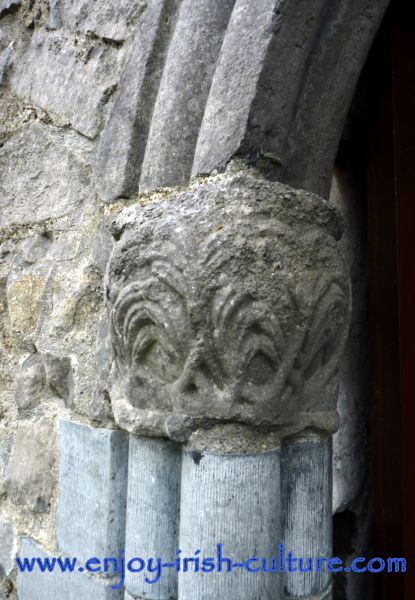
[[228, 303]]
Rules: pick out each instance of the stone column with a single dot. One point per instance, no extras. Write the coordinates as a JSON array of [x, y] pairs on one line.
[[307, 514], [153, 503], [234, 501], [229, 307]]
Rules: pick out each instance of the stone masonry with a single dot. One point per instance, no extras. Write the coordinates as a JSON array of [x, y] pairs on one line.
[[174, 295]]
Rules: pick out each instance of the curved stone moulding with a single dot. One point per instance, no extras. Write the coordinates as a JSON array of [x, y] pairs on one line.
[[335, 64], [286, 102], [270, 80], [183, 92], [250, 104], [123, 141], [228, 303]]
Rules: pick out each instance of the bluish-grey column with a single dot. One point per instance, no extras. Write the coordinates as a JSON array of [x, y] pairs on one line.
[[153, 503], [307, 514], [90, 517], [233, 500]]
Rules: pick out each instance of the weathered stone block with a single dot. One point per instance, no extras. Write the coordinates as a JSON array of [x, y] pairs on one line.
[[31, 382], [92, 490], [59, 377], [35, 247], [24, 301], [68, 586], [108, 19], [228, 303], [72, 78], [35, 193], [76, 295], [29, 476]]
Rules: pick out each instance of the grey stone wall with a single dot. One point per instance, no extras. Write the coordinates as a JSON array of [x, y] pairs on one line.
[[60, 63]]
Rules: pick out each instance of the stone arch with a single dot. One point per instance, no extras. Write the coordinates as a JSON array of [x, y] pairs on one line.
[[191, 98]]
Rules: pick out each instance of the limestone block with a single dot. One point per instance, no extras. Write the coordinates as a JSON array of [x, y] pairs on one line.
[[35, 247], [100, 408], [59, 377], [36, 193], [24, 301], [54, 17], [29, 476], [41, 375], [92, 490], [69, 77], [76, 294], [51, 586], [108, 19], [31, 382], [228, 303]]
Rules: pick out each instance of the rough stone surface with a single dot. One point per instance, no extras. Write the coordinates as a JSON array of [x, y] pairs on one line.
[[218, 297], [59, 377], [227, 500], [35, 248], [41, 586], [272, 104], [5, 61], [108, 19], [31, 382], [41, 376], [92, 491], [7, 6], [36, 194], [338, 55], [153, 505], [124, 138], [69, 77], [6, 440], [25, 302], [29, 477], [7, 547]]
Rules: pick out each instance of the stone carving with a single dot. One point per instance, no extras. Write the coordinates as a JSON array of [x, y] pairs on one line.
[[228, 303]]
